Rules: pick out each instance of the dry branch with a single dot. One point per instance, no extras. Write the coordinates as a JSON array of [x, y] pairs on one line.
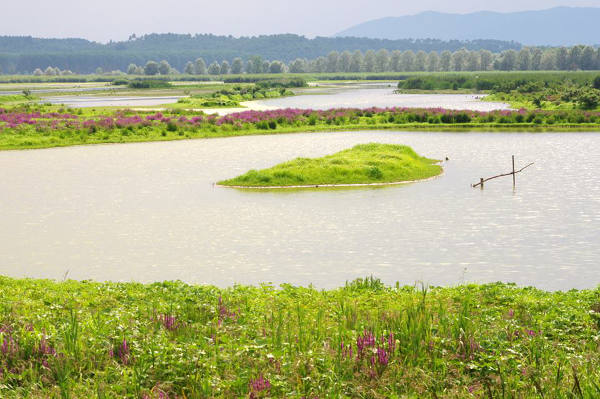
[[502, 175]]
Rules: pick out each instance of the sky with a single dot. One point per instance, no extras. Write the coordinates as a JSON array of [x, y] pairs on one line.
[[104, 20]]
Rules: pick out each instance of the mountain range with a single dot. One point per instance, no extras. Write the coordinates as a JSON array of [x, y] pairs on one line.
[[560, 26]]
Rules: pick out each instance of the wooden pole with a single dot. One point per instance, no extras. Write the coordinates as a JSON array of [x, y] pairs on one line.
[[513, 173], [481, 182]]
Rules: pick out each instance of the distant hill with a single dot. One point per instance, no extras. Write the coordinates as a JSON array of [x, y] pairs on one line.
[[24, 54], [561, 26]]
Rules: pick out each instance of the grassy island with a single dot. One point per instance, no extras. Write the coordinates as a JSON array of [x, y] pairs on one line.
[[363, 164], [365, 340]]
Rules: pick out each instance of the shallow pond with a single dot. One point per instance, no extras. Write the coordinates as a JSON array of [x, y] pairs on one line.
[[97, 101], [316, 98], [381, 97], [150, 212]]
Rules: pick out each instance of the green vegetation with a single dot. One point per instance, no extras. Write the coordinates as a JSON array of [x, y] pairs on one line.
[[40, 126], [211, 55], [26, 54], [232, 96], [15, 99], [362, 164], [146, 84], [115, 340], [529, 90]]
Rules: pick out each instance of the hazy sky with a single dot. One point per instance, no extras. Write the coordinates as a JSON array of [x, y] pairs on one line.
[[102, 20]]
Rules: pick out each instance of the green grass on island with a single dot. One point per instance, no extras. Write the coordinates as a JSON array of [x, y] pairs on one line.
[[365, 340], [362, 164]]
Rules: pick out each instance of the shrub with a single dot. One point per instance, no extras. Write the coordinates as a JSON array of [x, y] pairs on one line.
[[171, 126]]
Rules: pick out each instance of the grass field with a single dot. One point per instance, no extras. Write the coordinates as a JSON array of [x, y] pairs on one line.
[[362, 164], [365, 340]]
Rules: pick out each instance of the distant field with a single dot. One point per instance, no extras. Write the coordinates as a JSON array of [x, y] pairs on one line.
[[536, 75]]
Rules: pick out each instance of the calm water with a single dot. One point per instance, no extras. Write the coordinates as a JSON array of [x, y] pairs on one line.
[[381, 97], [348, 97], [150, 212], [96, 101]]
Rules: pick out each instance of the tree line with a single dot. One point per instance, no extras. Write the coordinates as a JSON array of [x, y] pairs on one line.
[[526, 59], [25, 54]]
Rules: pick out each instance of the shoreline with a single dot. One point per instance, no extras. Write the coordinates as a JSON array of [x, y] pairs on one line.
[[439, 128], [396, 183]]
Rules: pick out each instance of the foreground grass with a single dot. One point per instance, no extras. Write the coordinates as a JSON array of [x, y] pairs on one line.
[[362, 164], [108, 340]]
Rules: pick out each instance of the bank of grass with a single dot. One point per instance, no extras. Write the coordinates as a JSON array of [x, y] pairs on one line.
[[20, 141], [361, 164], [365, 340], [31, 126]]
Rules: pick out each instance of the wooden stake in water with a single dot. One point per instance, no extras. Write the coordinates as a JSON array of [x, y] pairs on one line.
[[513, 173]]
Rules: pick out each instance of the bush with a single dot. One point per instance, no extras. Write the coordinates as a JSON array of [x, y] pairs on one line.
[[171, 126], [589, 99], [149, 84]]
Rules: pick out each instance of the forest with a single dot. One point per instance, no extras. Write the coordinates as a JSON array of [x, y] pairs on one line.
[[25, 54]]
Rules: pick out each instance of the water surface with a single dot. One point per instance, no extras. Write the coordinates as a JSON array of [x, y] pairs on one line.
[[150, 212], [382, 97]]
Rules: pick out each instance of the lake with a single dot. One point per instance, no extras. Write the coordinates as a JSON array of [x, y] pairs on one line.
[[344, 97], [380, 97], [150, 212]]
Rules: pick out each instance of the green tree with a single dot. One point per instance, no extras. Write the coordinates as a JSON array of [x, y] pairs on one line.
[[548, 62], [485, 58], [225, 68], [189, 68], [332, 61], [536, 58], [298, 66], [369, 61], [509, 60], [433, 61], [562, 59], [445, 60], [277, 67], [151, 68], [524, 60], [356, 62], [164, 68], [237, 66], [420, 60], [575, 55], [407, 61], [345, 61], [382, 60], [214, 68], [473, 62], [200, 67], [588, 61], [255, 64], [395, 60], [131, 69], [319, 65]]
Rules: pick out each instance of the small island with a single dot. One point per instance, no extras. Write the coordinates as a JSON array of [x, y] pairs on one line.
[[364, 164]]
